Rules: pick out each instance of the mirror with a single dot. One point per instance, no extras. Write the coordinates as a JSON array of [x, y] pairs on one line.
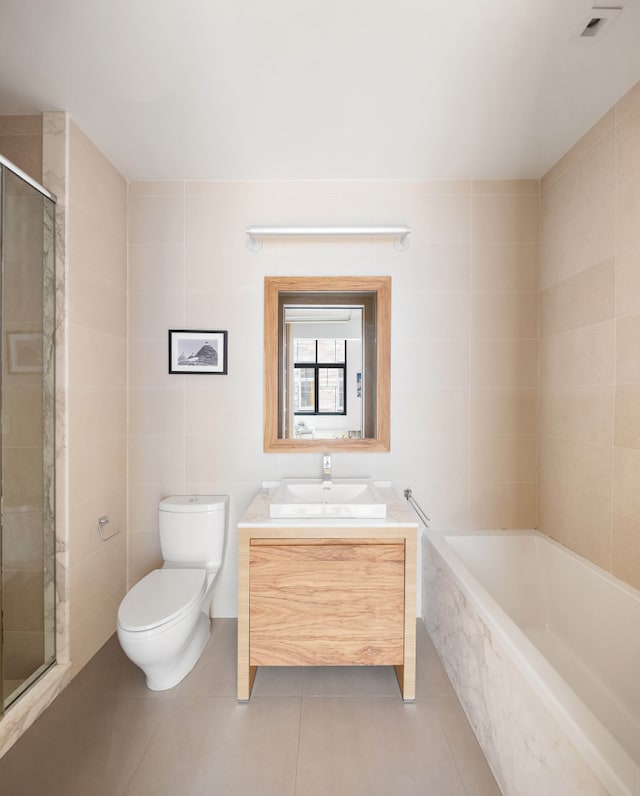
[[322, 385], [327, 360]]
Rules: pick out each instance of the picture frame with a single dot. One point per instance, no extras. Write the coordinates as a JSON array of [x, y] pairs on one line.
[[194, 351], [24, 352]]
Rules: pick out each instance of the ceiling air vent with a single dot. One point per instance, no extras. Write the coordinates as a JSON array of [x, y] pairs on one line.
[[593, 26], [598, 21]]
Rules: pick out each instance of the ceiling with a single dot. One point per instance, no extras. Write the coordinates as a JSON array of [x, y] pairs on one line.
[[295, 89]]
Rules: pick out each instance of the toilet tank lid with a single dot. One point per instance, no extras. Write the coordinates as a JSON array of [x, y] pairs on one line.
[[194, 503]]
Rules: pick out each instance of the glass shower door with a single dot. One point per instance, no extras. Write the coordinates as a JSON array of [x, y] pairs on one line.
[[27, 559]]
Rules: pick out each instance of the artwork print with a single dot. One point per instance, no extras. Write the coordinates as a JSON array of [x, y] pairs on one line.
[[194, 351]]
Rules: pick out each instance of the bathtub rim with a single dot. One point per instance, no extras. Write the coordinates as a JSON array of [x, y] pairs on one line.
[[601, 750]]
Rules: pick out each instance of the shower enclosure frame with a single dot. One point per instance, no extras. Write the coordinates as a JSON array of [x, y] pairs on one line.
[[47, 439]]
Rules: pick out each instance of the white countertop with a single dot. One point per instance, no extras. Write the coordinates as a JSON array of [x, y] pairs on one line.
[[399, 513]]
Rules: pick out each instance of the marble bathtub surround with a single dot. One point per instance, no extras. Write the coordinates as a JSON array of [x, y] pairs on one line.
[[546, 722]]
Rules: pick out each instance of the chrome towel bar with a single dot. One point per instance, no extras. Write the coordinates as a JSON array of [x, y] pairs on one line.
[[424, 519]]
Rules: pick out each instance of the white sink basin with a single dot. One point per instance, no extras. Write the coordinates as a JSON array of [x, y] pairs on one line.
[[344, 498]]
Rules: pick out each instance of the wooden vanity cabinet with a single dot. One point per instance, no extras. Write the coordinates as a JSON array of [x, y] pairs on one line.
[[326, 597]]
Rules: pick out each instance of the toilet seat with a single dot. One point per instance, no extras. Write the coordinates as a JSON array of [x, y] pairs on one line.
[[160, 597]]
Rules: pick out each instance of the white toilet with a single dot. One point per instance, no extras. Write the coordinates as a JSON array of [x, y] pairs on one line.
[[163, 622]]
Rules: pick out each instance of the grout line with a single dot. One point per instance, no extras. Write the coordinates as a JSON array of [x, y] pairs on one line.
[[469, 514], [142, 756], [450, 747], [184, 324], [615, 343], [127, 406], [295, 775]]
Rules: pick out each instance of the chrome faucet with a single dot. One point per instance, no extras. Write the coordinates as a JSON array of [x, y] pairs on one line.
[[326, 467]]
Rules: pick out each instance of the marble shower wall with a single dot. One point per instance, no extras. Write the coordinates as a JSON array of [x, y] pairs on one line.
[[53, 147]]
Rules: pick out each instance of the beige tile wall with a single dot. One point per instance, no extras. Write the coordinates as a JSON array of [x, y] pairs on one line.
[[464, 344], [504, 354], [589, 470], [97, 332], [21, 142]]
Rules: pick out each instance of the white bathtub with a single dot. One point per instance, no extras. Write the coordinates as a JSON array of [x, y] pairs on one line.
[[543, 650]]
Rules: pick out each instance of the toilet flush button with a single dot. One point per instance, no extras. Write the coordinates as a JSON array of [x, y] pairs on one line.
[[193, 500]]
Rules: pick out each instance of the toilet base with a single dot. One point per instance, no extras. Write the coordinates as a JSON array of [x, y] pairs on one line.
[[169, 673]]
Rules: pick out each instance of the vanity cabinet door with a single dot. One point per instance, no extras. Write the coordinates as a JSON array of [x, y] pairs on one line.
[[323, 602]]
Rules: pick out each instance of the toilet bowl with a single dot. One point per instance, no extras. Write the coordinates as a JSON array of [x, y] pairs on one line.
[[163, 621]]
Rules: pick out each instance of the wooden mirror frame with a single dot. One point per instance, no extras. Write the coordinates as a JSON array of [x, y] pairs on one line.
[[273, 287]]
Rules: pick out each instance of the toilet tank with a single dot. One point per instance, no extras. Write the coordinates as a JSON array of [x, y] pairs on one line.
[[193, 529]]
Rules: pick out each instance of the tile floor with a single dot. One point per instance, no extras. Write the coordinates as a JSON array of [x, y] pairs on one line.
[[305, 732]]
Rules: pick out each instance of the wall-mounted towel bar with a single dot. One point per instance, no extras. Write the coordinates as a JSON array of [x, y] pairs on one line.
[[399, 233], [102, 523], [417, 508]]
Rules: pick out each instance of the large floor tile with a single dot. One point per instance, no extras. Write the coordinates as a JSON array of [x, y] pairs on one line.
[[374, 746], [342, 731], [431, 677], [472, 765], [278, 681], [347, 681], [82, 746], [214, 745], [215, 673], [110, 672]]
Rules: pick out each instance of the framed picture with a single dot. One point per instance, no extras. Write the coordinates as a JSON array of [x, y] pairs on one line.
[[24, 352], [193, 351]]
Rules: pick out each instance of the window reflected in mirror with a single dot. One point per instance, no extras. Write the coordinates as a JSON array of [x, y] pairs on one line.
[[322, 397], [326, 363], [319, 377]]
